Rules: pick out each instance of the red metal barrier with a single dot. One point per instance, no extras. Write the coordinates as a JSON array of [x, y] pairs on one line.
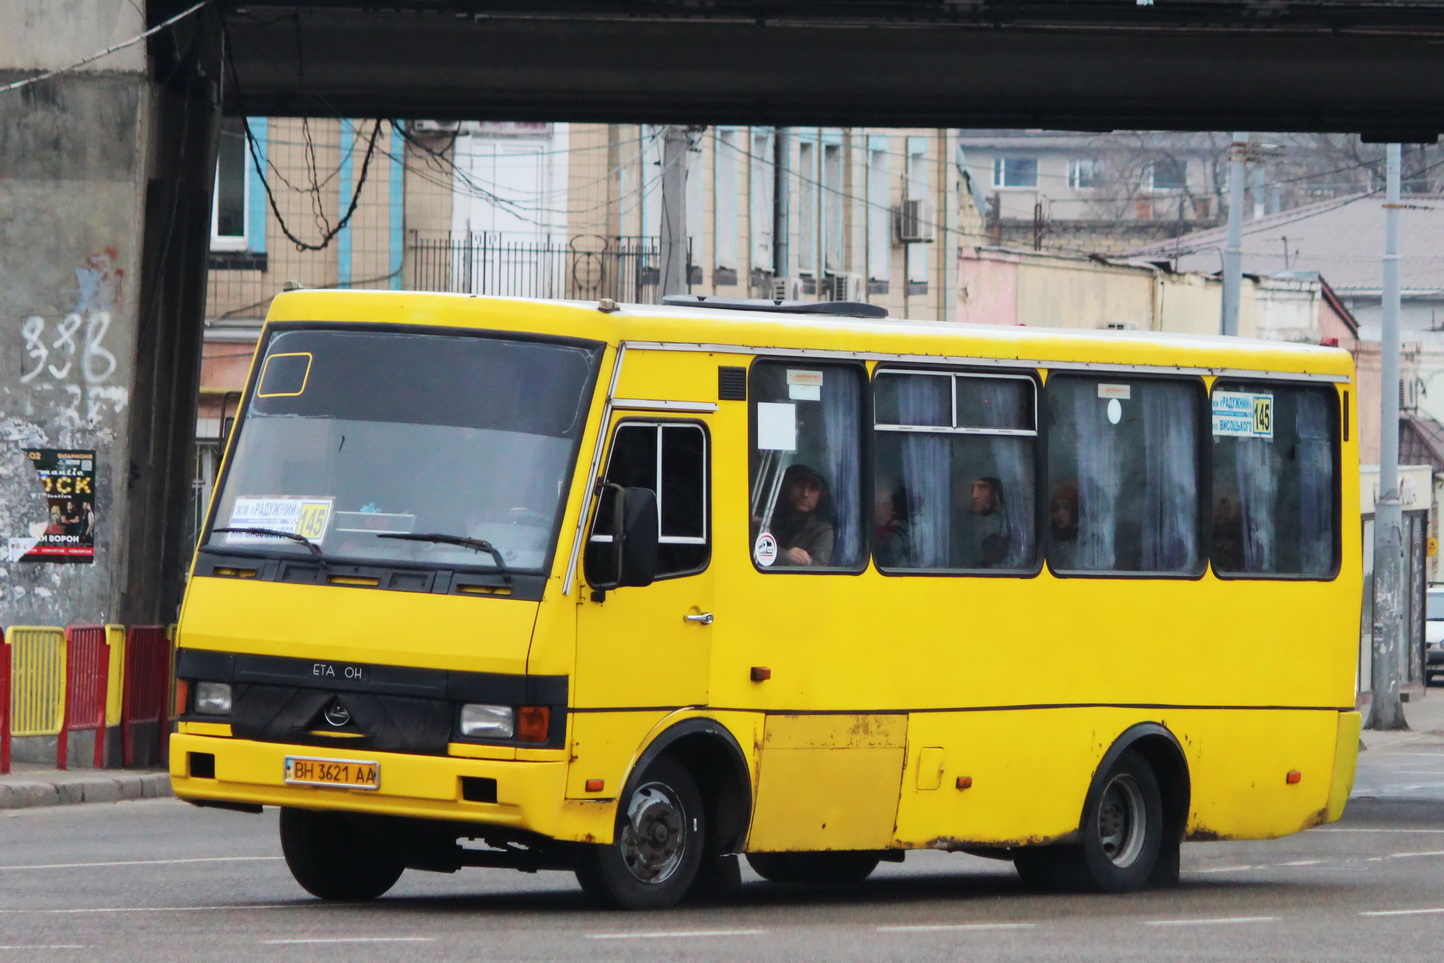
[[87, 681], [5, 671], [146, 697]]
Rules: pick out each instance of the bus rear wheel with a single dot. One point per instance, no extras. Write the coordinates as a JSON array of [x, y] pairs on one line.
[[844, 867], [332, 859], [657, 848], [1122, 836]]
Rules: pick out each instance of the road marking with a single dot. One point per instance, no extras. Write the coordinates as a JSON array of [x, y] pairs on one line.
[[1407, 912], [1225, 869], [1436, 852], [354, 939], [1303, 862], [147, 862], [672, 934], [1332, 830], [171, 909], [46, 946], [1221, 920], [939, 927]]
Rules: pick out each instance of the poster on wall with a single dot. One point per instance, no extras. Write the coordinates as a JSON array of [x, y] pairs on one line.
[[66, 533]]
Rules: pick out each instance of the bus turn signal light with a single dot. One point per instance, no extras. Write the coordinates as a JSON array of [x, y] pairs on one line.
[[760, 673], [532, 723], [596, 785], [182, 696], [1293, 777], [965, 782]]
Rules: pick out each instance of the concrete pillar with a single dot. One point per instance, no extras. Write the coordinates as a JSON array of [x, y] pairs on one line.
[[105, 183]]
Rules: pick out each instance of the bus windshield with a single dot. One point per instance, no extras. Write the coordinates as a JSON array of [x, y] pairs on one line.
[[353, 435]]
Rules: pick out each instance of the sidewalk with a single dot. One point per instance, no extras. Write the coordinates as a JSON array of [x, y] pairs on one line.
[[32, 784], [1426, 725]]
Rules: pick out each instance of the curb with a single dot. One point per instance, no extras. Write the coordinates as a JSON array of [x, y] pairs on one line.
[[27, 793]]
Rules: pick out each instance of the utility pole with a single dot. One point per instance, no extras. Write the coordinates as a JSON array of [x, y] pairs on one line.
[[1387, 711], [675, 143], [782, 204], [1233, 249]]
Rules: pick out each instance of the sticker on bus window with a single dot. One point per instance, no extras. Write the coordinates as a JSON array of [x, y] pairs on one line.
[[1118, 392], [765, 549], [776, 426], [804, 385], [1243, 414], [306, 517], [285, 375]]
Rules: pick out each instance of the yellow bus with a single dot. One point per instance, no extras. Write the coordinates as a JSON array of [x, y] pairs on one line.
[[635, 590]]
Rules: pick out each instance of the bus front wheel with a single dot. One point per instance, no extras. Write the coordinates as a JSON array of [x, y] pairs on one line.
[[1122, 836], [332, 859], [657, 847]]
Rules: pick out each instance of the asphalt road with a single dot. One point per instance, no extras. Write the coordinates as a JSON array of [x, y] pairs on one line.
[[157, 879]]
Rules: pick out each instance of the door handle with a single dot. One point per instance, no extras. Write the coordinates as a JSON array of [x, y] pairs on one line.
[[705, 618]]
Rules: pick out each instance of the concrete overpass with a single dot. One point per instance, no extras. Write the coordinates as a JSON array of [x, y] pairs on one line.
[[106, 162]]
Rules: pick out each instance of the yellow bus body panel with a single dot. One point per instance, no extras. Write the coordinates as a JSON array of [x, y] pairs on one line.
[[884, 691]]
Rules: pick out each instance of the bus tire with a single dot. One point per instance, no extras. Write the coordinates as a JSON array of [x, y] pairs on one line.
[[844, 867], [325, 855], [1121, 837], [656, 849]]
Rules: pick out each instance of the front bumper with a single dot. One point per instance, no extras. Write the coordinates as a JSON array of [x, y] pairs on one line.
[[528, 794]]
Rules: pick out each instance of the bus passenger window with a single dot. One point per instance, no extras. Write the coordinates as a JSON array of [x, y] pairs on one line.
[[806, 489], [671, 460], [953, 471], [1274, 506], [1123, 475]]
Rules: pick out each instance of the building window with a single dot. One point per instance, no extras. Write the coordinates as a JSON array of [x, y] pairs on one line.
[[1084, 173], [231, 203], [878, 212], [833, 225], [807, 197], [760, 192], [726, 191], [1167, 174], [1019, 172]]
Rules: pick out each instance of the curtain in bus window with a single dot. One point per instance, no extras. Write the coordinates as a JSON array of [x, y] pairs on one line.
[[1169, 532], [1316, 499], [1257, 491], [1006, 406], [1098, 474], [925, 400], [841, 406]]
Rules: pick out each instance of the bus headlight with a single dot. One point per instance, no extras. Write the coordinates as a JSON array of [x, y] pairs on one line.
[[487, 722], [213, 698]]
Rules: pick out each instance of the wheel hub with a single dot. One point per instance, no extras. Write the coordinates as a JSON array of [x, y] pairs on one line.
[[1121, 817], [653, 839]]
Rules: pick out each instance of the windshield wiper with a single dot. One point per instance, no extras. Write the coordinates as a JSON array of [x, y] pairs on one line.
[[315, 549], [475, 544]]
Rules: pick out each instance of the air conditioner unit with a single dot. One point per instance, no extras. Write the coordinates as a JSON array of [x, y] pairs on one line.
[[787, 289], [434, 126], [847, 287], [911, 223]]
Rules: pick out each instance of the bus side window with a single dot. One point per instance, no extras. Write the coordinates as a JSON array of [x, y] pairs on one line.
[[1275, 508], [1123, 475], [806, 504], [671, 460]]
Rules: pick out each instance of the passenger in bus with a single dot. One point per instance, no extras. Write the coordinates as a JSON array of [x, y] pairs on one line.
[[890, 543], [981, 537], [1228, 554], [802, 521], [1063, 527]]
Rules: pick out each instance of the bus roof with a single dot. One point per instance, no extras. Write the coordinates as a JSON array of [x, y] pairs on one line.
[[728, 331]]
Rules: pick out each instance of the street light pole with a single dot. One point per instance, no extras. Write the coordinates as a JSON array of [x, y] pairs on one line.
[[1387, 710], [1233, 248]]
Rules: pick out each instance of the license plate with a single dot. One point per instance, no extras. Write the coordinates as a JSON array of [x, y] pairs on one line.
[[344, 773]]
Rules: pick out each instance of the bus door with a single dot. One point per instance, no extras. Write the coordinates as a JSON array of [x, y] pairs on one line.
[[650, 646]]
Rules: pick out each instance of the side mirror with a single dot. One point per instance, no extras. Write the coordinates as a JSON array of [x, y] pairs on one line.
[[622, 548]]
